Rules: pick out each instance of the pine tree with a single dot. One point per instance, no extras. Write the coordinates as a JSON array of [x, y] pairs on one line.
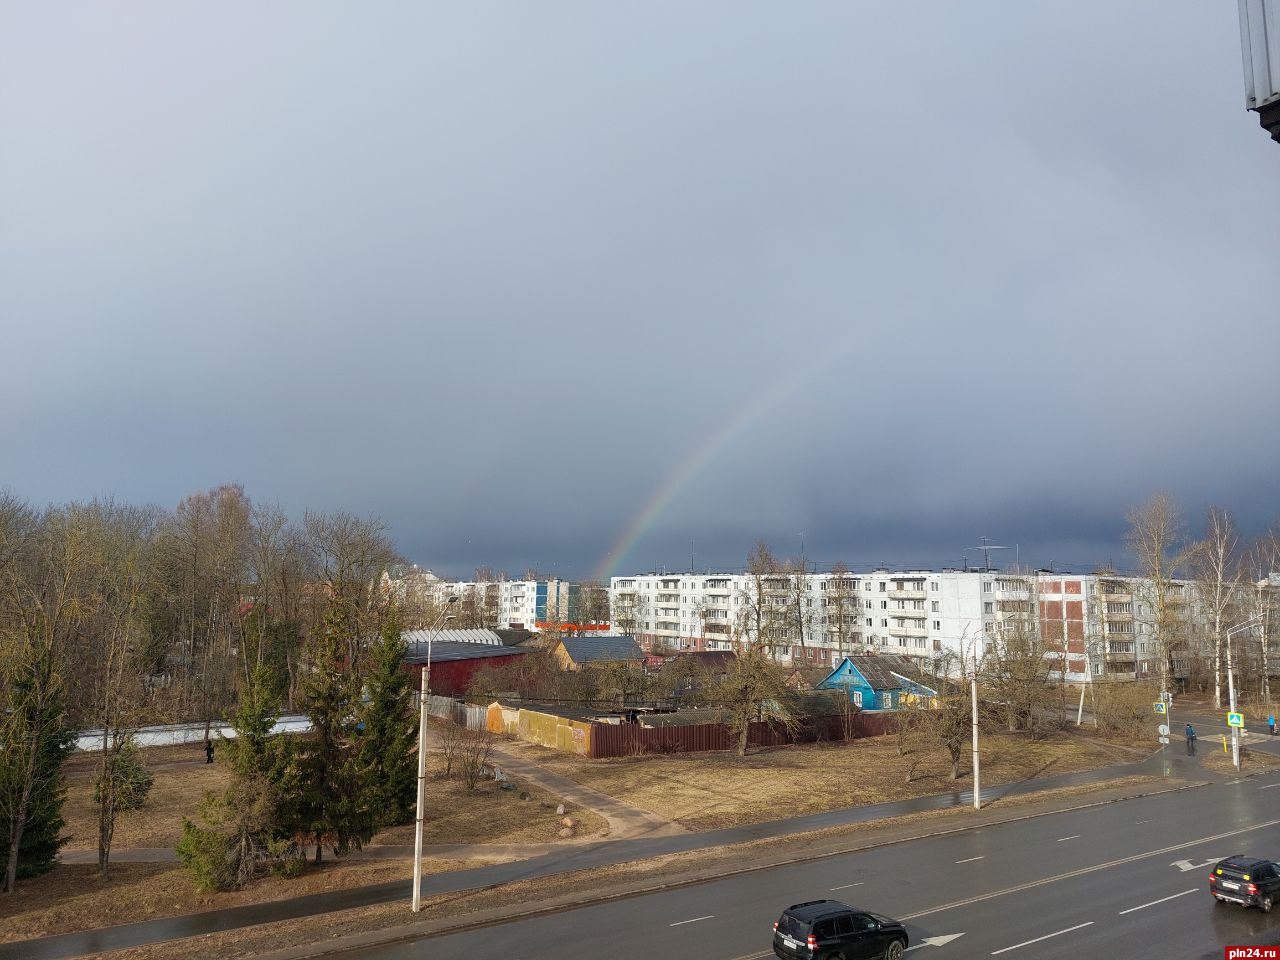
[[387, 761], [332, 809]]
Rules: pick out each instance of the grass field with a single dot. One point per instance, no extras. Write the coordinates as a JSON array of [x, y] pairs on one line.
[[73, 897], [710, 790]]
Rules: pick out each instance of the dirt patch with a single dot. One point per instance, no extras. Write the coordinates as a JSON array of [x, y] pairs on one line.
[[1251, 761], [705, 791]]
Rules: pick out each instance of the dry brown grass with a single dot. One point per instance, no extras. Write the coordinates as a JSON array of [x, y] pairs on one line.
[[613, 879], [710, 790], [73, 897], [1214, 758], [454, 814]]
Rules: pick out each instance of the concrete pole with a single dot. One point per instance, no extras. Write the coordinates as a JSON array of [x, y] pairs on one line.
[[424, 685], [422, 791], [1080, 709], [1231, 694], [977, 784]]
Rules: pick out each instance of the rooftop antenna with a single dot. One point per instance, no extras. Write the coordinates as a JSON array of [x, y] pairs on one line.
[[986, 546]]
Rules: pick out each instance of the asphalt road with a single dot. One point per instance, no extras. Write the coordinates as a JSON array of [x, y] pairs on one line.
[[1128, 879]]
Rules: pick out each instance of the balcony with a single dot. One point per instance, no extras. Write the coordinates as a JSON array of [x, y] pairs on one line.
[[1120, 656], [905, 631], [910, 614], [906, 594]]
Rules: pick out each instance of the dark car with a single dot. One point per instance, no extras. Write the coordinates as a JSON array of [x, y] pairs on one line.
[[1246, 880], [831, 930]]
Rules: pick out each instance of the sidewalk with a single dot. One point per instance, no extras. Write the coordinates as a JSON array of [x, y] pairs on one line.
[[588, 855]]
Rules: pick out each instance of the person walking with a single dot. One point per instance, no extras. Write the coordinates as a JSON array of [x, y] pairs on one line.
[[1271, 723], [208, 751], [1191, 740]]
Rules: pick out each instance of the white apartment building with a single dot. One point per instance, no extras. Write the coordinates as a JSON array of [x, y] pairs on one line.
[[1090, 625], [510, 604]]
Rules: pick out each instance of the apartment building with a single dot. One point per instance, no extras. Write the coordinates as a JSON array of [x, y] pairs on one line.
[[1089, 625], [512, 604]]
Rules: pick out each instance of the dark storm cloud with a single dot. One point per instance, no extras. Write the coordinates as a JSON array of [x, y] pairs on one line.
[[495, 270]]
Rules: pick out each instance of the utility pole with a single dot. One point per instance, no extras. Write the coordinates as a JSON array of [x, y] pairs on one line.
[[973, 695], [1231, 684], [424, 685]]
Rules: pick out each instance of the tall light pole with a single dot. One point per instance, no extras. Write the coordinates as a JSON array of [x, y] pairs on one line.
[[1231, 684], [973, 694], [424, 685]]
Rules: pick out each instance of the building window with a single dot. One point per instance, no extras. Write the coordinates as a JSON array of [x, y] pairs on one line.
[[936, 606], [884, 623], [986, 586], [986, 607], [933, 585], [937, 624], [869, 621]]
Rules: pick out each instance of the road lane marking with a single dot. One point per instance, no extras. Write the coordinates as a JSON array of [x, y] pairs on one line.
[[709, 916], [1087, 870], [1074, 836], [941, 941], [1148, 820], [1079, 926], [971, 859], [1154, 902], [848, 885], [1269, 786]]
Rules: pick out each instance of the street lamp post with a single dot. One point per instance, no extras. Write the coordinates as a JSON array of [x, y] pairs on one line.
[[424, 685], [973, 696], [1231, 685]]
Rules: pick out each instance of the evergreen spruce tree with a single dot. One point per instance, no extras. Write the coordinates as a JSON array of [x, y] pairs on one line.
[[246, 829], [386, 761], [35, 743], [333, 810]]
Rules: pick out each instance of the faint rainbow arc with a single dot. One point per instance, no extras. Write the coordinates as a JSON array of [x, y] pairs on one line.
[[704, 453]]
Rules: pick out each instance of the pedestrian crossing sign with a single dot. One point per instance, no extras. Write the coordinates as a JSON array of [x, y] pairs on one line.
[[1159, 707], [1235, 719]]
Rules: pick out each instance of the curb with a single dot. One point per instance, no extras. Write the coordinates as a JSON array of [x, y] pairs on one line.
[[407, 934]]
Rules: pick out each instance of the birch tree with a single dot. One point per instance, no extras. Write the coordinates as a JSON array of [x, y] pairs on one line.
[[1215, 562]]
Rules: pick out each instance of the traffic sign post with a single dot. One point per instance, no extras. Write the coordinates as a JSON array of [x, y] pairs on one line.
[[1160, 708], [1235, 720]]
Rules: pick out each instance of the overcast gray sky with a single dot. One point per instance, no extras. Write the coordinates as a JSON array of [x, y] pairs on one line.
[[889, 275]]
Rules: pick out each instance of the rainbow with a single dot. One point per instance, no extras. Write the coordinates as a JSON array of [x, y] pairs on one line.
[[706, 451]]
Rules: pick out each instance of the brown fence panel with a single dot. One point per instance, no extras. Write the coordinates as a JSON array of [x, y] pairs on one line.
[[628, 739]]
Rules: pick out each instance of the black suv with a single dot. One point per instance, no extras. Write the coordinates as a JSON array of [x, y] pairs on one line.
[[1246, 880], [831, 930]]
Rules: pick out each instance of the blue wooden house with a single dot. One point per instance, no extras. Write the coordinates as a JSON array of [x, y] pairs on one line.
[[873, 683]]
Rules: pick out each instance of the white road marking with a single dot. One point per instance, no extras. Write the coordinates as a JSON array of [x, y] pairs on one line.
[[1074, 836], [709, 916], [1186, 865], [1154, 902], [1269, 786], [941, 941], [1079, 926], [1148, 820], [971, 859], [1087, 870], [848, 885]]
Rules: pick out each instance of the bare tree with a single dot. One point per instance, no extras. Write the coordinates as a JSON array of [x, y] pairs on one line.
[[1156, 538], [841, 608], [753, 687], [1215, 561]]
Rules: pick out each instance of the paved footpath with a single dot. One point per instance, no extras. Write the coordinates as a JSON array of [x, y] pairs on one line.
[[566, 859]]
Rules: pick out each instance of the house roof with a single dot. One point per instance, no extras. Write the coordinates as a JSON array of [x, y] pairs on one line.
[[516, 637], [879, 669], [451, 650], [709, 659], [602, 649], [451, 636]]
